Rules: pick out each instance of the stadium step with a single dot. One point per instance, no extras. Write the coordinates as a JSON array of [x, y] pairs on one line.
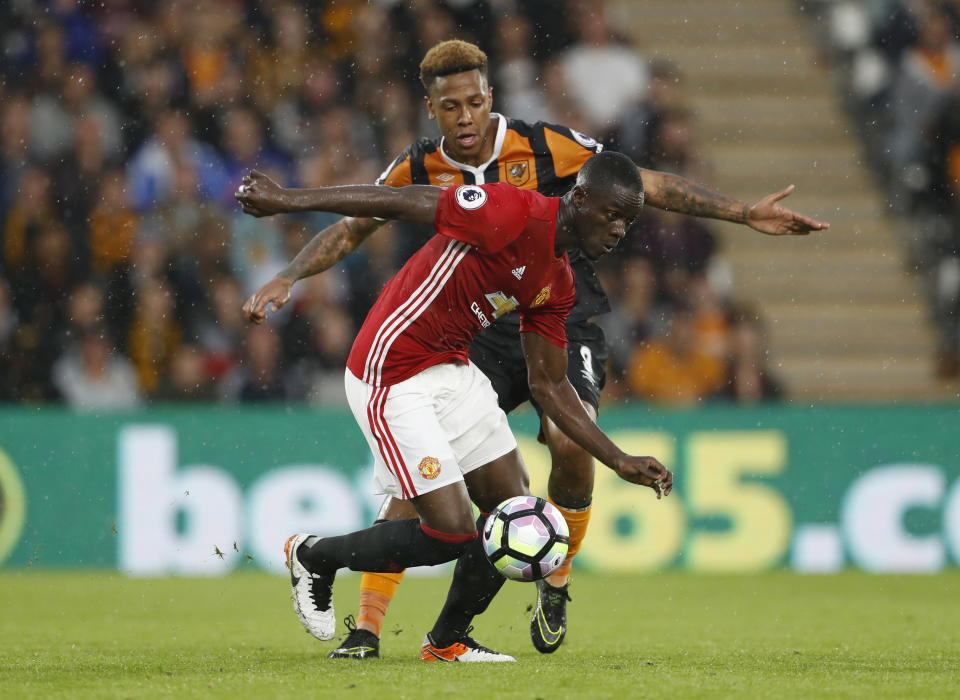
[[780, 281], [873, 376], [737, 12], [735, 127], [755, 29], [846, 318], [746, 109]]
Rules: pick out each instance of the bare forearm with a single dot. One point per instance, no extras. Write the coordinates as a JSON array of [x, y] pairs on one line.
[[329, 247], [675, 193], [561, 404], [417, 203]]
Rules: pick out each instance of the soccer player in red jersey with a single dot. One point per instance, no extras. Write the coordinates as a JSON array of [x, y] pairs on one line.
[[479, 146], [430, 417]]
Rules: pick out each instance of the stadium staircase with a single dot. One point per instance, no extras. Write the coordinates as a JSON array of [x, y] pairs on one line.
[[846, 319]]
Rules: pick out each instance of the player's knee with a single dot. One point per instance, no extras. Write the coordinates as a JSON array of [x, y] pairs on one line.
[[445, 546], [571, 471], [396, 509], [566, 455], [458, 524], [516, 483], [522, 485], [490, 502], [460, 536]]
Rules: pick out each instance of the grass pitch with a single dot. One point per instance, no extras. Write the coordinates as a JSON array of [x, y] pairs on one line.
[[69, 635]]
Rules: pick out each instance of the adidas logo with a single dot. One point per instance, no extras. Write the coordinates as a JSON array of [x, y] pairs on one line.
[[518, 271]]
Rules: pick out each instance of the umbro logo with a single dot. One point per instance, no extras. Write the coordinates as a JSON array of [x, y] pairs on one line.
[[445, 177], [518, 271]]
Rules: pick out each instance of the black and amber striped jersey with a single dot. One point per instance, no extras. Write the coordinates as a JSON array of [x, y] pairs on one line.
[[542, 157]]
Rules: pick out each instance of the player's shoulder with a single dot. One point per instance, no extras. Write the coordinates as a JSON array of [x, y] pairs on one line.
[[500, 194], [503, 192], [549, 132], [409, 161], [421, 148]]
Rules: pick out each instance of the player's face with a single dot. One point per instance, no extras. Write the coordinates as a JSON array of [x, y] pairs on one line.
[[461, 104], [603, 217]]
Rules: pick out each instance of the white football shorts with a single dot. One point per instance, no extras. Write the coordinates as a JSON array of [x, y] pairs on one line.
[[429, 430]]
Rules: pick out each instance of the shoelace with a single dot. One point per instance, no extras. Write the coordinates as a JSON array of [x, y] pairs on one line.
[[355, 637], [320, 591], [350, 622], [472, 643]]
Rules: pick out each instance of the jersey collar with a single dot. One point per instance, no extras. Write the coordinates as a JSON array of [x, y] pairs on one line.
[[477, 172]]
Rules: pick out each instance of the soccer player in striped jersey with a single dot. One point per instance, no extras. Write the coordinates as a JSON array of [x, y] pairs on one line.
[[430, 416], [478, 146]]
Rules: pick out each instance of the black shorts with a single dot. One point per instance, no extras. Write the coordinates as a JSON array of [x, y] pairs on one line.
[[496, 351]]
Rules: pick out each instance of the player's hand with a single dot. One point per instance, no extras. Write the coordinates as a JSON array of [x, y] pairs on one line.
[[767, 216], [261, 196], [646, 471], [270, 297]]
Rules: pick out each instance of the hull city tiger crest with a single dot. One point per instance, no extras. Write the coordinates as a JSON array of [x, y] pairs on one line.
[[429, 467], [518, 172], [541, 297]]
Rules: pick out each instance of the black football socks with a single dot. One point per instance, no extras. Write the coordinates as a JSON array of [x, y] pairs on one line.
[[475, 583], [391, 546]]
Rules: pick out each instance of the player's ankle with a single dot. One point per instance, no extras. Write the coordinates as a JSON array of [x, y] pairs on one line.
[[442, 637], [557, 580], [370, 626]]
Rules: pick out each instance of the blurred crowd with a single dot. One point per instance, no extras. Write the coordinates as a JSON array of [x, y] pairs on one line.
[[126, 126], [900, 64]]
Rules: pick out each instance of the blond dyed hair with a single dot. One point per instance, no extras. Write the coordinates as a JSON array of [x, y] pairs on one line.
[[449, 57]]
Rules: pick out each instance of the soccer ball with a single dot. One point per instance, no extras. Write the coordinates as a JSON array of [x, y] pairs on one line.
[[526, 538]]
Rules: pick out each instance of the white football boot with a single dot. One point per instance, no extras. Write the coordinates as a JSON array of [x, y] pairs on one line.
[[466, 650], [312, 593]]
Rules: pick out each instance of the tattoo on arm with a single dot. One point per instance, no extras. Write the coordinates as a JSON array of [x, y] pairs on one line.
[[329, 247], [675, 193]]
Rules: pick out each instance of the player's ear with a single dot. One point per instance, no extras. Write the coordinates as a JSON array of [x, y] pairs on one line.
[[579, 196], [430, 113]]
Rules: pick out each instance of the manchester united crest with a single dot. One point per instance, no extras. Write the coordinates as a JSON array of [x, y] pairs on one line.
[[518, 172], [429, 467], [541, 297]]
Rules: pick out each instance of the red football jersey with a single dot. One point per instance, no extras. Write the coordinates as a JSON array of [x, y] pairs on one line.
[[493, 254]]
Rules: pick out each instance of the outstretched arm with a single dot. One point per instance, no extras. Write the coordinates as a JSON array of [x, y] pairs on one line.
[[547, 376], [329, 247], [675, 193], [261, 196], [325, 250], [416, 203]]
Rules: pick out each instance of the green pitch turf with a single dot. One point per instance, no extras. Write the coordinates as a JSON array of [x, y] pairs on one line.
[[70, 635]]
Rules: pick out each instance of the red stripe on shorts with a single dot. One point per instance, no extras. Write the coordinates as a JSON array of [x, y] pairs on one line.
[[400, 464], [381, 442]]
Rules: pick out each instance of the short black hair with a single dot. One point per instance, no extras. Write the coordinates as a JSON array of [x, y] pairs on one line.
[[609, 168]]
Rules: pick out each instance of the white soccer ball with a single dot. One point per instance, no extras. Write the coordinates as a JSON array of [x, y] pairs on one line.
[[526, 538]]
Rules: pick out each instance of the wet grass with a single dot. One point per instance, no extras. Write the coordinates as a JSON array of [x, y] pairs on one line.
[[71, 635]]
